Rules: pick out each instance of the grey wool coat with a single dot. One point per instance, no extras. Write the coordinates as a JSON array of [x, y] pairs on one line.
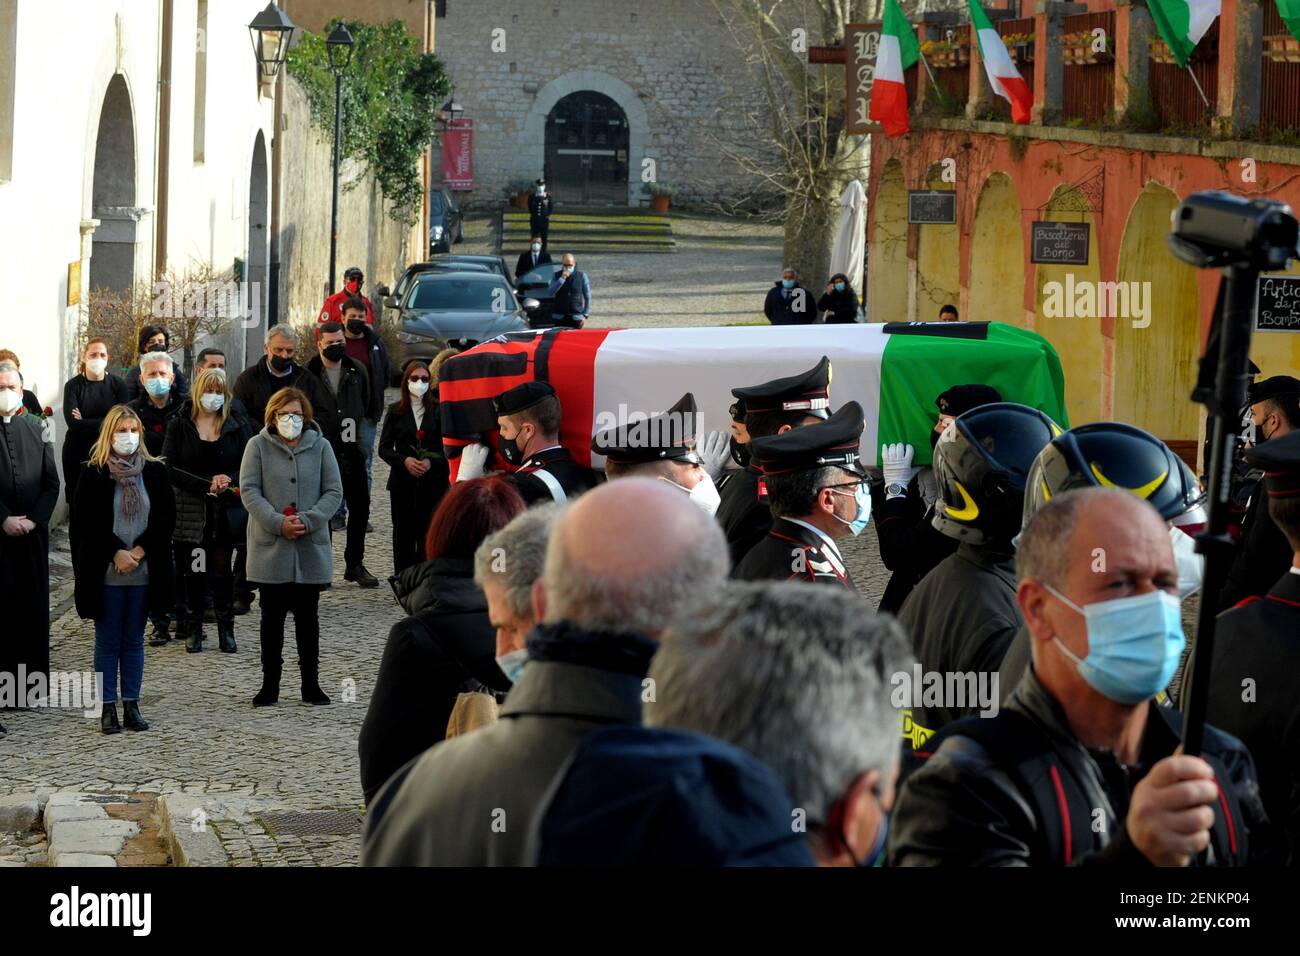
[[274, 476]]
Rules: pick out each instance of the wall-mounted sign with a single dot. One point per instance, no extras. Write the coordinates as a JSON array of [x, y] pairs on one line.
[[932, 206], [1059, 243], [74, 283], [861, 42], [1277, 303]]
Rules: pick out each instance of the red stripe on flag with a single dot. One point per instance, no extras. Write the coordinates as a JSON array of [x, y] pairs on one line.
[[889, 107], [572, 366], [1022, 100]]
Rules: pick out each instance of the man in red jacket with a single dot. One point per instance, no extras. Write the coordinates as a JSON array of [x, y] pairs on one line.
[[332, 310]]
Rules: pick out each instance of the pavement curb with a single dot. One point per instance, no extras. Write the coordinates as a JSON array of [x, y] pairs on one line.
[[189, 846]]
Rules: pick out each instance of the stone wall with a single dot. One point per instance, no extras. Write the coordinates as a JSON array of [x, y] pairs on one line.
[[674, 68]]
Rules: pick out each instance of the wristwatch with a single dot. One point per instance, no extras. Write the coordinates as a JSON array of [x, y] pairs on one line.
[[895, 490]]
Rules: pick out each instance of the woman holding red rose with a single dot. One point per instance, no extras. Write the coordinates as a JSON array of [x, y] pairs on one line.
[[411, 442]]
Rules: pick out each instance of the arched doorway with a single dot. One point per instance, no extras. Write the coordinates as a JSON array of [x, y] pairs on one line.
[[587, 149], [938, 262], [255, 270], [1156, 351], [997, 255], [113, 248], [887, 289]]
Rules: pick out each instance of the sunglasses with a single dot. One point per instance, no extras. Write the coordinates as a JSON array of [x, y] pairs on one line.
[[419, 378]]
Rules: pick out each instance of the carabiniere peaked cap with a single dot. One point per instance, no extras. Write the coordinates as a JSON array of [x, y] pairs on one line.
[[669, 435], [524, 395], [809, 391], [1280, 459], [832, 442]]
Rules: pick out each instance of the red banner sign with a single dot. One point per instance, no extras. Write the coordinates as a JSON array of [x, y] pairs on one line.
[[458, 155]]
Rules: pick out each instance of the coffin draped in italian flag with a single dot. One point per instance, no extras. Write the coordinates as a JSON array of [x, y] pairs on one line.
[[606, 377]]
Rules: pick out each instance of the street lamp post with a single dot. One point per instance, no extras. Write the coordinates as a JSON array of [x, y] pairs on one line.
[[339, 47], [271, 32]]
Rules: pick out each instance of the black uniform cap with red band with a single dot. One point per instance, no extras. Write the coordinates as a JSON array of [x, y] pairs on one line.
[[522, 396], [808, 391], [1280, 459], [832, 442], [668, 436]]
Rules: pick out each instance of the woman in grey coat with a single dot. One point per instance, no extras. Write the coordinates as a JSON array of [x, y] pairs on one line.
[[289, 482]]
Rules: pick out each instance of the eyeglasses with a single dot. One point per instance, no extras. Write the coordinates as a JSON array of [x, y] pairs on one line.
[[291, 419]]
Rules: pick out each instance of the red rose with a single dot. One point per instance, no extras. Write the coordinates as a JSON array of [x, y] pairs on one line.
[[290, 511], [156, 428], [419, 435], [234, 490], [48, 411]]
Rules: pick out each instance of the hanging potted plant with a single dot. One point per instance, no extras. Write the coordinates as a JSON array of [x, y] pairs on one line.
[[1086, 47], [660, 195], [1159, 52], [1282, 48], [1020, 46], [939, 53]]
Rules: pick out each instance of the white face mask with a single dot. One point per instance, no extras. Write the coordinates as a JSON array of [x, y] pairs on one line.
[[125, 443], [289, 426], [418, 389], [704, 495], [537, 247], [96, 365], [212, 402], [10, 401]]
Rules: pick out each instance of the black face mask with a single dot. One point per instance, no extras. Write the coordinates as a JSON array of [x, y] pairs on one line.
[[151, 347], [510, 450], [280, 363], [335, 352], [357, 326], [739, 453]]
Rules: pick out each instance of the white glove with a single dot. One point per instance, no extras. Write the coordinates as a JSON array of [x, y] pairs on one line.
[[472, 459], [715, 452], [896, 463]]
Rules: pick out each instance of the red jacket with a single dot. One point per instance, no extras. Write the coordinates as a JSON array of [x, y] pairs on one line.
[[332, 310]]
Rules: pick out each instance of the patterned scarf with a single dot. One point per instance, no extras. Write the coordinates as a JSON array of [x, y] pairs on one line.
[[126, 471]]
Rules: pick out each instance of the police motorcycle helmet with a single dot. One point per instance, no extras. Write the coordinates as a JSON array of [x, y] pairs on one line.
[[981, 464], [1116, 455]]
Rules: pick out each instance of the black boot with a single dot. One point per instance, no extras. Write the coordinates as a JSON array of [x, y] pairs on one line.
[[194, 638], [108, 719], [159, 637], [226, 637], [270, 692], [131, 715]]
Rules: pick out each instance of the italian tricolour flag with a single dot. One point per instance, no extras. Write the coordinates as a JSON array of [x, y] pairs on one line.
[[607, 377], [898, 51], [1182, 23], [1002, 73]]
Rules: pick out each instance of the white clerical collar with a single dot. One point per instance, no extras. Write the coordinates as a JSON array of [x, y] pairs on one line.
[[830, 542], [1293, 569]]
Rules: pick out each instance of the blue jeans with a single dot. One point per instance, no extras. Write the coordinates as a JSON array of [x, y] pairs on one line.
[[119, 640], [366, 435]]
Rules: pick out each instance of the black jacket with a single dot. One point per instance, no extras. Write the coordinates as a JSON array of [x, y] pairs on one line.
[[540, 208], [572, 477], [399, 439], [526, 265], [447, 646], [93, 400], [381, 369], [134, 390], [96, 542], [781, 309], [185, 455], [961, 618], [1255, 695], [1262, 554], [255, 386], [744, 517], [350, 404], [156, 420], [909, 544], [1019, 789], [792, 552], [32, 403], [842, 306]]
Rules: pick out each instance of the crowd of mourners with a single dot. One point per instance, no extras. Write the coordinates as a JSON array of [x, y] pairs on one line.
[[668, 662]]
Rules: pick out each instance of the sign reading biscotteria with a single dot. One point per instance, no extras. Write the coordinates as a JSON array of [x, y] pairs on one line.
[[861, 43], [933, 206], [1277, 303], [1059, 243]]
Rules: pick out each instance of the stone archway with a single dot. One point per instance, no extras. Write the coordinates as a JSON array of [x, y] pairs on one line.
[[887, 290], [533, 142], [938, 262], [1156, 352], [997, 255], [113, 193]]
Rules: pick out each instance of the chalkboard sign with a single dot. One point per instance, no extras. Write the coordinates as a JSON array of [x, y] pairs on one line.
[[931, 206], [1277, 303], [1059, 243]]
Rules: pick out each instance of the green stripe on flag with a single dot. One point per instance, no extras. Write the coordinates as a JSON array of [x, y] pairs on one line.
[[896, 24], [1289, 10], [1022, 365]]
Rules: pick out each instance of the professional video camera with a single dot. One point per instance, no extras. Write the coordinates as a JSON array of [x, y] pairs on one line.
[[1216, 229]]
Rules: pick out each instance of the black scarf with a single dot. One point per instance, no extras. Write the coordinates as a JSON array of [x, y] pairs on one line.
[[605, 650]]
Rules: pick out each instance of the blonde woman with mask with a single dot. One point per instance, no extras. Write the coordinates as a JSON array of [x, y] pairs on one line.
[[203, 450], [122, 557]]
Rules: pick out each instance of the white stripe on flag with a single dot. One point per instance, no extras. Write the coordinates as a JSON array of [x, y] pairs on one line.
[[997, 61], [889, 59], [1201, 14]]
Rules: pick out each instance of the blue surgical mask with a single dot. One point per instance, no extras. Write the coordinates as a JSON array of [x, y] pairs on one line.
[[839, 287], [862, 498], [788, 283], [158, 387], [1134, 644], [512, 664]]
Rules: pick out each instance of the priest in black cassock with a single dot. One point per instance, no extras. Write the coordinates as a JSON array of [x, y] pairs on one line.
[[29, 489]]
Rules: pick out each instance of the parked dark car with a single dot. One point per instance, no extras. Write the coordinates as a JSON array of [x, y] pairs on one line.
[[393, 299], [495, 264], [457, 309], [446, 225], [531, 287]]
